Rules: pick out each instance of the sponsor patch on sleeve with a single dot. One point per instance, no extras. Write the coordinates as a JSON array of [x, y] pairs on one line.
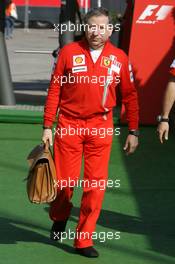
[[131, 73], [173, 64], [172, 68]]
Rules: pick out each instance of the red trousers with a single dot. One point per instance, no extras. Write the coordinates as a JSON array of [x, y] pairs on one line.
[[94, 144]]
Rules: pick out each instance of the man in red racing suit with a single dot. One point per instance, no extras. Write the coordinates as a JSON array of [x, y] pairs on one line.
[[83, 87], [169, 99]]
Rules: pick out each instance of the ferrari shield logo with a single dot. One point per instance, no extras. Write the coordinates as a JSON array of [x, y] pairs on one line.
[[106, 62]]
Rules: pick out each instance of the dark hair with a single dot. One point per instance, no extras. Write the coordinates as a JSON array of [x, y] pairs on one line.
[[97, 12], [7, 3]]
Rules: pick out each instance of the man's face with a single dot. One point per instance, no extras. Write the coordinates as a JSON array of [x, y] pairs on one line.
[[98, 31]]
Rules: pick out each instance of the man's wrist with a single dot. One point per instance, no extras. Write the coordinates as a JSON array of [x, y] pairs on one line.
[[165, 115], [134, 132], [162, 118]]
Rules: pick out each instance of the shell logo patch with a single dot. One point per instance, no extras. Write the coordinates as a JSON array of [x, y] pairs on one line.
[[78, 60], [106, 62]]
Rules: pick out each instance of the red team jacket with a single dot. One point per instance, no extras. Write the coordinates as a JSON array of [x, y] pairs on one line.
[[172, 68], [81, 88]]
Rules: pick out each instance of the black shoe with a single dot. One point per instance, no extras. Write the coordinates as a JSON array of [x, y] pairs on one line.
[[88, 252], [57, 228]]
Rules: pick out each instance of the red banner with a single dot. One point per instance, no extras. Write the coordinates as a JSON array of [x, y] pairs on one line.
[[151, 51], [84, 3], [42, 3]]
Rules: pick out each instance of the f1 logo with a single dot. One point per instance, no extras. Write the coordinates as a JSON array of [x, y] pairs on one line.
[[159, 14]]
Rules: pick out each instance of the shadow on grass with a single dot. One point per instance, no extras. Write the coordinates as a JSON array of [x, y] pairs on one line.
[[151, 178], [12, 231]]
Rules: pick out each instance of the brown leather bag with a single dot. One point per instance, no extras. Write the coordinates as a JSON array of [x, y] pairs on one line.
[[41, 180]]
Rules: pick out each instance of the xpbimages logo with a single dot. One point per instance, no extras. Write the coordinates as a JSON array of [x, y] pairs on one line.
[[154, 13]]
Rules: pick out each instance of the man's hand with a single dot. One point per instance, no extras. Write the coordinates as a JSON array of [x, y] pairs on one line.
[[131, 144], [163, 130], [47, 135]]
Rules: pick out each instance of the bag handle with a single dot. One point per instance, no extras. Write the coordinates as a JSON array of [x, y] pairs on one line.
[[46, 145]]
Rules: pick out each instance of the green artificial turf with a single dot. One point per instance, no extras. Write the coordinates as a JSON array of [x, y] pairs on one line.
[[142, 209], [20, 116], [27, 116]]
